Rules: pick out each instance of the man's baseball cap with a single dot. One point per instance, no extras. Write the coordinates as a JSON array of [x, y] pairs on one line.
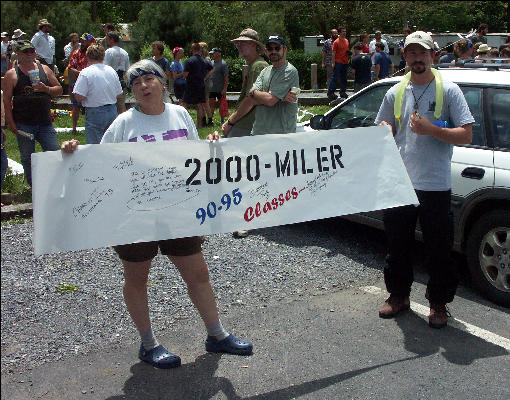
[[377, 31], [23, 45], [214, 50], [421, 38], [248, 35], [277, 39], [5, 34], [88, 37]]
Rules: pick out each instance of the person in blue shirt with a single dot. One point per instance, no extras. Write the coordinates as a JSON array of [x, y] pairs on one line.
[[383, 65], [177, 70], [449, 56]]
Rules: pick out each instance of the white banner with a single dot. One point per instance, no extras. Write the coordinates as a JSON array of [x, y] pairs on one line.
[[120, 193]]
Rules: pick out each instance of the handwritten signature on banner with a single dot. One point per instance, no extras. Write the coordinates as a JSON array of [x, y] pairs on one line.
[[148, 186]]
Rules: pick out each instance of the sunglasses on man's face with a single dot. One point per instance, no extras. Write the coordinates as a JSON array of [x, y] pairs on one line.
[[28, 51], [271, 48]]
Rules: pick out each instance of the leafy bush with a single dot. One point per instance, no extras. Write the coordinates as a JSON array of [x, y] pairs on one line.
[[303, 63], [235, 73]]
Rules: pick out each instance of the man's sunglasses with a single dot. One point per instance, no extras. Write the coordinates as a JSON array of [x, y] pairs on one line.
[[271, 48], [28, 51]]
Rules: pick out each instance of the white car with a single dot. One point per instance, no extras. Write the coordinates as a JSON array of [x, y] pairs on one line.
[[480, 171]]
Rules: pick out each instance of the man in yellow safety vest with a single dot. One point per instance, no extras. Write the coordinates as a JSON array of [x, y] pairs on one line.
[[427, 116]]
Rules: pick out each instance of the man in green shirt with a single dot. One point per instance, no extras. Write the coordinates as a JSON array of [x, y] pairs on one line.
[[273, 94], [249, 48]]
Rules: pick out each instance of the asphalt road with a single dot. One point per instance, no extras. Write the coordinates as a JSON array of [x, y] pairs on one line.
[[326, 344]]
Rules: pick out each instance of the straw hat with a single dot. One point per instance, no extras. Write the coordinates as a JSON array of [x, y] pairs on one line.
[[249, 35], [483, 48], [43, 22]]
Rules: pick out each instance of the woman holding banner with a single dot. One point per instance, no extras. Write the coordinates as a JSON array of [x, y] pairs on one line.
[[154, 119]]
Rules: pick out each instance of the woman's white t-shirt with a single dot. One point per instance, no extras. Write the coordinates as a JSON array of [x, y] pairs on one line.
[[134, 126]]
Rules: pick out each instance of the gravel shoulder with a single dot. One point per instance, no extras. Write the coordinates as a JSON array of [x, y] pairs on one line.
[[41, 324]]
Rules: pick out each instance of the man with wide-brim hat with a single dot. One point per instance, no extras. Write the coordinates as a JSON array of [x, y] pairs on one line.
[[17, 34], [250, 48], [483, 50], [44, 43]]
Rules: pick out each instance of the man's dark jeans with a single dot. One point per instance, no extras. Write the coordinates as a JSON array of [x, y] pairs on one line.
[[339, 74], [436, 223]]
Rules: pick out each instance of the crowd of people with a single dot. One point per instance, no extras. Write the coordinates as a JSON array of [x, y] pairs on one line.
[[370, 60], [100, 73]]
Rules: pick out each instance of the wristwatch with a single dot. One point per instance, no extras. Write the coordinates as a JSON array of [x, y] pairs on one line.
[[252, 93], [230, 123]]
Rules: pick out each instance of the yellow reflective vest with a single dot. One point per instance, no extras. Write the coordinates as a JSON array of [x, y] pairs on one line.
[[397, 107]]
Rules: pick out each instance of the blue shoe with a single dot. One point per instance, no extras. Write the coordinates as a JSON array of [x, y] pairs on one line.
[[159, 357], [230, 344]]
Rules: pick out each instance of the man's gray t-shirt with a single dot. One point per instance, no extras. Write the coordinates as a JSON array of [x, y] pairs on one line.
[[218, 76], [427, 159], [282, 117]]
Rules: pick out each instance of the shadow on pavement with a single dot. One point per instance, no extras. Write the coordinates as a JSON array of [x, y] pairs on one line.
[[196, 381], [422, 340]]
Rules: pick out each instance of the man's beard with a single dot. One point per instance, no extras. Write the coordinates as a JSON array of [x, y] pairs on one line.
[[418, 68], [275, 57]]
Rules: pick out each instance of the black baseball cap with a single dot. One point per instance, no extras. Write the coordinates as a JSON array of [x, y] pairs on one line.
[[214, 50], [276, 39]]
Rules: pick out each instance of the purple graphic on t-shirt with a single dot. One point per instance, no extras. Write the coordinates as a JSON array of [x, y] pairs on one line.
[[178, 134], [149, 138]]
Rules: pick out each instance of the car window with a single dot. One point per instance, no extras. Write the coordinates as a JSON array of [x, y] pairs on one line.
[[498, 102], [360, 111], [473, 96]]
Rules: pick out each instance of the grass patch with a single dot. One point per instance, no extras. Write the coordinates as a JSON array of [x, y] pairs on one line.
[[17, 219], [67, 288]]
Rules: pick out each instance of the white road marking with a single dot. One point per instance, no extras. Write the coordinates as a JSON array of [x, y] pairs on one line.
[[453, 322]]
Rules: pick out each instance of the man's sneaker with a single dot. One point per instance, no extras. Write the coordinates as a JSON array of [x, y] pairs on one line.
[[230, 344], [344, 95], [332, 96], [159, 357], [393, 305], [438, 317]]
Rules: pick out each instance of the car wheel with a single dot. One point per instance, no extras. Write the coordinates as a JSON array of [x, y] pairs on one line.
[[488, 255]]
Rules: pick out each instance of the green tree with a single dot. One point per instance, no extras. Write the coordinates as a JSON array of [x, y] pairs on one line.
[[172, 22]]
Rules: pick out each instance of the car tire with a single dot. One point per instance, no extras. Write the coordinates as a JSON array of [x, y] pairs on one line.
[[488, 255]]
